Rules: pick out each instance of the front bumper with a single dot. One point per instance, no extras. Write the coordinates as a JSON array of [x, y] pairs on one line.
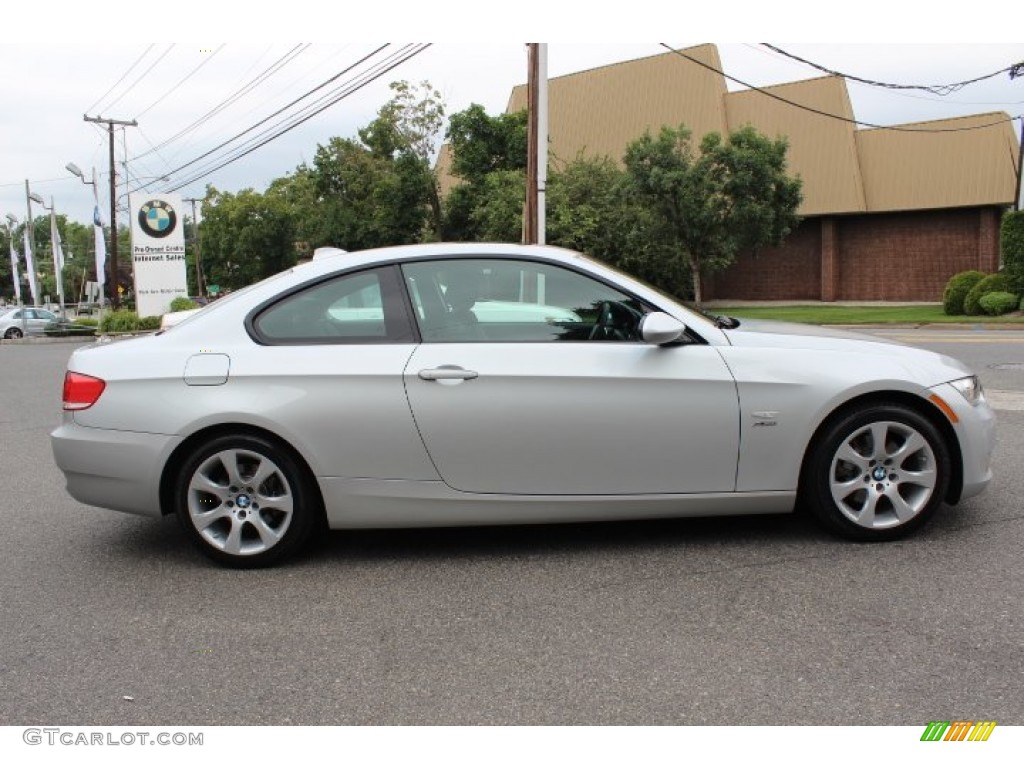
[[976, 431], [111, 468]]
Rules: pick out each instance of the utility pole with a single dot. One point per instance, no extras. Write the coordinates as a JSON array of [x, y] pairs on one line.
[[1020, 165], [195, 245], [115, 298], [537, 143]]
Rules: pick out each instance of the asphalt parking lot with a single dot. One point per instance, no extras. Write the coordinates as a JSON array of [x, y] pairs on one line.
[[691, 622]]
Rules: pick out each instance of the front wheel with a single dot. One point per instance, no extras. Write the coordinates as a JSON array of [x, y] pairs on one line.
[[245, 501], [877, 474]]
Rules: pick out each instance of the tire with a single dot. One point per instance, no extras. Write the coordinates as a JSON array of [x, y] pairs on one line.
[[877, 474], [13, 333], [246, 501]]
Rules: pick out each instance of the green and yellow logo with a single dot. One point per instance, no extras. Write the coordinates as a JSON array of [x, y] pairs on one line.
[[958, 730]]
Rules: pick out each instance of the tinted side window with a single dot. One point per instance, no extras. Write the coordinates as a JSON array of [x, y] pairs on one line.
[[364, 307], [516, 301]]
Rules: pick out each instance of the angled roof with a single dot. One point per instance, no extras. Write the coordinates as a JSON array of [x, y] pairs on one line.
[[599, 111], [959, 162], [964, 161]]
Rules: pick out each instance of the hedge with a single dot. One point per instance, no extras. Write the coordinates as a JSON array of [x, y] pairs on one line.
[[998, 302]]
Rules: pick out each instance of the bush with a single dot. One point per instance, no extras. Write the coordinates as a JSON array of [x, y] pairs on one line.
[[183, 303], [90, 321], [998, 302], [126, 321], [957, 289], [998, 282]]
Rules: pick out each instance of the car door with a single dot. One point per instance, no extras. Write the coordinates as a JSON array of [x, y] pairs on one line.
[[560, 396]]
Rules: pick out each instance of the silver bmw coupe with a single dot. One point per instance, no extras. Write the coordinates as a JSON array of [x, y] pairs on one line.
[[476, 384]]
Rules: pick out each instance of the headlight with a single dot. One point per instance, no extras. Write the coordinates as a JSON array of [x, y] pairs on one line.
[[970, 388]]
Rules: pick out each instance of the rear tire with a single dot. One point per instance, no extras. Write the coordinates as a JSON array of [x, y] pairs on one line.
[[877, 474], [246, 501], [13, 333]]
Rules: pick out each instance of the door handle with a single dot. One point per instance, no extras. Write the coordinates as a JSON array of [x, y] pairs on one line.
[[446, 372]]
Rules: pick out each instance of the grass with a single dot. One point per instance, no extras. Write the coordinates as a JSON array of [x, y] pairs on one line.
[[862, 315]]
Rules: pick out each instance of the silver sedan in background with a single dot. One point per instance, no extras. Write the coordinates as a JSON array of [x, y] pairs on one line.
[[16, 322], [482, 384]]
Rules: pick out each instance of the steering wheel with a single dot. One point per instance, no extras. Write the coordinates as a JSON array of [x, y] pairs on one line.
[[605, 329]]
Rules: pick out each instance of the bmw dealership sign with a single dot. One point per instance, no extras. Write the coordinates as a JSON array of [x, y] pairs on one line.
[[158, 252]]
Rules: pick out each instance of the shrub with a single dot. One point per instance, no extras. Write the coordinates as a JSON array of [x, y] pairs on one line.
[[182, 303], [991, 284], [998, 302], [90, 321], [126, 321], [957, 289]]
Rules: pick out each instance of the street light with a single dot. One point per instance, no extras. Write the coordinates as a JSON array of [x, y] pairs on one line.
[[100, 248]]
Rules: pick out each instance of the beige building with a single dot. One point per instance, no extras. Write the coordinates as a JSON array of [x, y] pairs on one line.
[[889, 213]]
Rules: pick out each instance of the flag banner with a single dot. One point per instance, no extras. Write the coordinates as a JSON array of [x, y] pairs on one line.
[[158, 252], [14, 273], [101, 243], [30, 269], [58, 258]]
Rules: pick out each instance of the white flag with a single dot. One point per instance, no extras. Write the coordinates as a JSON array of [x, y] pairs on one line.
[[58, 258], [30, 268], [14, 273], [101, 243]]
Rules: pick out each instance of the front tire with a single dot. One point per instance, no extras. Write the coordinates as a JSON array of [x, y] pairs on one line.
[[245, 501], [878, 474]]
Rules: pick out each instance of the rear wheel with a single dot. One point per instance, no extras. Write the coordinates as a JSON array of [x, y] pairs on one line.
[[245, 501], [878, 474], [13, 333]]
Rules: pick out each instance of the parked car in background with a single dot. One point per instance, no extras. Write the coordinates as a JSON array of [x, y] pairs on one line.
[[15, 322], [473, 384]]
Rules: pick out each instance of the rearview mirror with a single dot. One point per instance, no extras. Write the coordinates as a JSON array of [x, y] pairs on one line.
[[659, 328]]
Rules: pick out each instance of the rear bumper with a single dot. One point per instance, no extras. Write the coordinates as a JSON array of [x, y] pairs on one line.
[[110, 468]]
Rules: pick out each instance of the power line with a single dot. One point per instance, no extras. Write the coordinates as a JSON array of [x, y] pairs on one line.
[[938, 90], [279, 111], [790, 102], [138, 79], [121, 79], [288, 57], [297, 122], [206, 60]]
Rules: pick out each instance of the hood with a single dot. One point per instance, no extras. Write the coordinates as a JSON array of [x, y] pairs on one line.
[[916, 363]]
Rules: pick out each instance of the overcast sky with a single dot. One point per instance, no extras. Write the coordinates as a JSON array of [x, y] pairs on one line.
[[48, 85]]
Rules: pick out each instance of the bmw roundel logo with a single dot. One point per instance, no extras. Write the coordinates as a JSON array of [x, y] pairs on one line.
[[157, 218]]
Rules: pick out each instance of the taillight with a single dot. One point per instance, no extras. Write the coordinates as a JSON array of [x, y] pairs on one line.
[[81, 391]]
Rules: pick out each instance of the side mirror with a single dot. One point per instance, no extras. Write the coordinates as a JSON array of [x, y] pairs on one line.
[[659, 328]]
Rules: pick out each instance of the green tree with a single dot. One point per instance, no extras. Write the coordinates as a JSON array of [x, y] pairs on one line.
[[728, 196], [482, 145], [246, 237], [1011, 237]]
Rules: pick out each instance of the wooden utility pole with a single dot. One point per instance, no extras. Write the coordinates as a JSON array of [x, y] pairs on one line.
[[530, 221], [115, 299]]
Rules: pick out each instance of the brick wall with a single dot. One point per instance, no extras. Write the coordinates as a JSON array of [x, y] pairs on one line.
[[876, 257], [790, 272]]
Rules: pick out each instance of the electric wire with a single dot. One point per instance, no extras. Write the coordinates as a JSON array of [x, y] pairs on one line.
[[938, 90], [139, 78], [382, 70], [271, 70], [278, 112], [206, 60], [121, 79], [814, 110]]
